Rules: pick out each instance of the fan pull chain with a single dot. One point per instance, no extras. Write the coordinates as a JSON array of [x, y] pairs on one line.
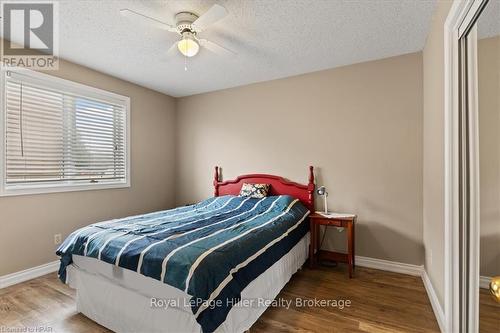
[[185, 63]]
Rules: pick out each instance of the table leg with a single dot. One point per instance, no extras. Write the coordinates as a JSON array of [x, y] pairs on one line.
[[312, 244], [316, 244], [354, 244], [318, 237], [350, 248]]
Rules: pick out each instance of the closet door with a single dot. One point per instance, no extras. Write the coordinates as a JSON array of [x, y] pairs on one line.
[[479, 167]]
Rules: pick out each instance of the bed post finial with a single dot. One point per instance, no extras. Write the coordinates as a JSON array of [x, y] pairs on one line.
[[310, 187], [216, 182]]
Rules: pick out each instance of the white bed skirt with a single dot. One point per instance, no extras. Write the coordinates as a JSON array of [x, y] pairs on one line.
[[121, 300]]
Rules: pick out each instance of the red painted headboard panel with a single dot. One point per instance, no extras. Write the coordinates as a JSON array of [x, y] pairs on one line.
[[279, 186]]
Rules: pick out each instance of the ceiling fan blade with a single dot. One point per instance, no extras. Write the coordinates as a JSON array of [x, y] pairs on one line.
[[170, 54], [146, 20], [214, 14], [216, 48], [172, 50]]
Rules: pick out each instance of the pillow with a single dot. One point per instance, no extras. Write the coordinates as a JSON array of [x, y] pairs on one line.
[[254, 190]]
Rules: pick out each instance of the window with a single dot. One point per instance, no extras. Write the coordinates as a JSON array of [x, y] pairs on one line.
[[61, 136]]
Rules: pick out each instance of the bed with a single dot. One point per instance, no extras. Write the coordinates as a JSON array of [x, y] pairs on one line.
[[214, 266]]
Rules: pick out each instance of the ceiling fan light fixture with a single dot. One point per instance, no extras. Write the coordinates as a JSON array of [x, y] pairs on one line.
[[188, 45], [188, 26]]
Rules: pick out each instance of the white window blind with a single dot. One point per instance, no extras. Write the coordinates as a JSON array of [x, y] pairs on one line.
[[59, 133]]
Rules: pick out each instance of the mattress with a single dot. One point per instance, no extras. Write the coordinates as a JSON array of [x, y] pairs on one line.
[[211, 250], [125, 301]]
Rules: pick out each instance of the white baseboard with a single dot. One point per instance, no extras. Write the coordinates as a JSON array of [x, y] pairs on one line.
[[484, 282], [390, 266], [385, 265], [436, 306], [28, 274]]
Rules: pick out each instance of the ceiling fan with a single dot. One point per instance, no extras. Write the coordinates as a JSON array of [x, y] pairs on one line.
[[188, 26]]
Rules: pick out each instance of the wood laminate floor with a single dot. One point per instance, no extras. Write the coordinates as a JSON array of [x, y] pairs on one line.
[[489, 313], [380, 302]]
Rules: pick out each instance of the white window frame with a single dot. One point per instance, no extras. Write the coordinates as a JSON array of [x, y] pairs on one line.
[[55, 188]]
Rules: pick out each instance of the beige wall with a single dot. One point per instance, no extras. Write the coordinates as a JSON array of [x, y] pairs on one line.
[[360, 126], [28, 223], [433, 147], [489, 152]]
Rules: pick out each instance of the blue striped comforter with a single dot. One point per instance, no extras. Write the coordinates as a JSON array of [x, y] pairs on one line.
[[211, 250]]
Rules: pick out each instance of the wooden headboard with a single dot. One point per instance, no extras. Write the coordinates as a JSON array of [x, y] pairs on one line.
[[279, 186]]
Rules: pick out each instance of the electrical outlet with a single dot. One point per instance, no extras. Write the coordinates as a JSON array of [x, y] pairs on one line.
[[57, 239]]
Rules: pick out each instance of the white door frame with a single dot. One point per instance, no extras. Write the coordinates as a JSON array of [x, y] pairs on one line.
[[462, 15]]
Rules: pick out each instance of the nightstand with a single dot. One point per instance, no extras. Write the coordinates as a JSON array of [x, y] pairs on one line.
[[346, 221]]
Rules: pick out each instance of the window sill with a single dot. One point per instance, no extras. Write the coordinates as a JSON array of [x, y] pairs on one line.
[[38, 189]]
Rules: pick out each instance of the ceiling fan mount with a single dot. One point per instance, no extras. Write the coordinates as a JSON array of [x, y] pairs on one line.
[[184, 22]]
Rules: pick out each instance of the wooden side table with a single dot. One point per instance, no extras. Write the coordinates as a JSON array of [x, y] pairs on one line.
[[346, 221]]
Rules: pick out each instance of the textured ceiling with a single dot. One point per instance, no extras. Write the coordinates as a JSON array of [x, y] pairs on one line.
[[273, 39], [489, 21]]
